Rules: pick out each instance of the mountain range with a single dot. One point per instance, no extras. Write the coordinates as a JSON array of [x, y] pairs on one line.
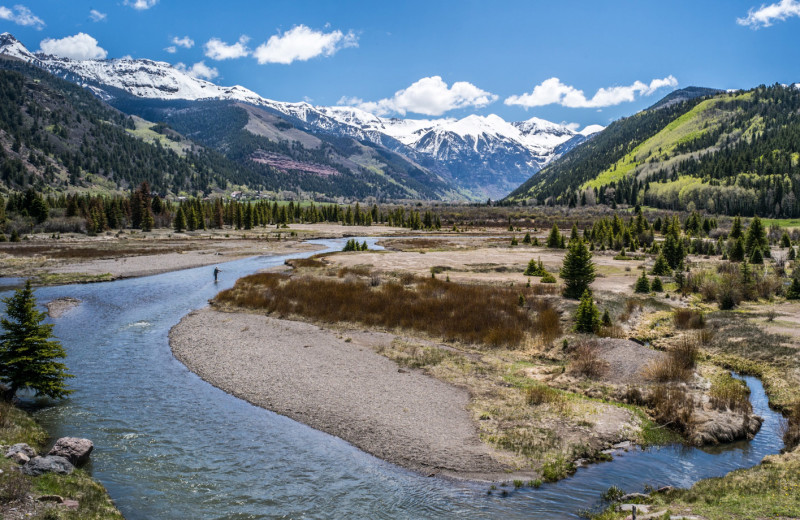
[[311, 148]]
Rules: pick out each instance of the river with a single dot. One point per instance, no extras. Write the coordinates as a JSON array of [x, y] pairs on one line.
[[170, 446]]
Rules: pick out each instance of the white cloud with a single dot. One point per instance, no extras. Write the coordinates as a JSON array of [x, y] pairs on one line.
[[185, 42], [553, 91], [78, 47], [171, 49], [302, 43], [199, 70], [141, 5], [766, 14], [21, 15], [97, 16], [429, 96], [217, 49]]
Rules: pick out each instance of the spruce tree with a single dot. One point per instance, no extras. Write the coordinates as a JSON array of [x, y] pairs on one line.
[[793, 292], [785, 240], [737, 251], [661, 266], [527, 239], [736, 228], [577, 270], [554, 239], [180, 220], [756, 237], [27, 354], [642, 284], [587, 317], [757, 258], [656, 286]]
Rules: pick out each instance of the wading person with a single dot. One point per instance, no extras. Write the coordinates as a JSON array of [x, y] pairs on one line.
[[217, 270]]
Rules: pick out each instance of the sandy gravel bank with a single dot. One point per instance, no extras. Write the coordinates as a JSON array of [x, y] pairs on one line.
[[317, 377]]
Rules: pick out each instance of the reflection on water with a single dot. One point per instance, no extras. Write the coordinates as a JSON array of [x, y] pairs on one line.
[[170, 446]]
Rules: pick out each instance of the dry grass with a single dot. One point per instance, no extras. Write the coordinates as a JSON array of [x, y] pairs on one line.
[[729, 393], [672, 406], [586, 361], [312, 262], [685, 319], [677, 365], [542, 394], [791, 429], [456, 312]]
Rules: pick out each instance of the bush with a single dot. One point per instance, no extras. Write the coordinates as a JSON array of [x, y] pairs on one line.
[[686, 319], [677, 365], [672, 405], [661, 266], [548, 278], [586, 361], [541, 394], [14, 486], [793, 292]]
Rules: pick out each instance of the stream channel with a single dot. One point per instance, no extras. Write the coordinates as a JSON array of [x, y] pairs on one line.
[[171, 446]]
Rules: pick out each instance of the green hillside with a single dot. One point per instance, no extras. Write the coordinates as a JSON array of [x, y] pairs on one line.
[[734, 153]]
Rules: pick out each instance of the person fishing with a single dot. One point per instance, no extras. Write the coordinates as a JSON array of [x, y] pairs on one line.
[[217, 270]]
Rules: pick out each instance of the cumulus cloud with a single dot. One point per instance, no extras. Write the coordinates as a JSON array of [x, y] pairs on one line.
[[78, 47], [171, 49], [553, 91], [302, 43], [185, 42], [767, 14], [217, 49], [199, 70], [141, 5], [21, 15], [429, 96], [97, 16]]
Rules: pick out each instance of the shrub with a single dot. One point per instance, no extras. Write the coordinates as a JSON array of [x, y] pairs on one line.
[[548, 324], [548, 278], [541, 394], [793, 292], [586, 361], [672, 405], [14, 486], [535, 268], [685, 319], [677, 365]]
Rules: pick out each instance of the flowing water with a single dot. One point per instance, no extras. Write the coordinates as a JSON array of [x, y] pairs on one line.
[[170, 446]]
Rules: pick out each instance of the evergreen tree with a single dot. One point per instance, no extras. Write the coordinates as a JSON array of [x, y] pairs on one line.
[[661, 266], [737, 251], [577, 270], [736, 228], [792, 254], [757, 258], [554, 239], [756, 237], [527, 239], [642, 284], [574, 234], [180, 220], [793, 292], [587, 317], [673, 250], [785, 240], [656, 286], [606, 320], [27, 354]]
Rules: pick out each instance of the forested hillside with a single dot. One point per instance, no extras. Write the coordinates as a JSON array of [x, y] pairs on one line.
[[734, 153]]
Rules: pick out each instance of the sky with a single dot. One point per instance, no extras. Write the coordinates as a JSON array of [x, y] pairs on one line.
[[576, 62]]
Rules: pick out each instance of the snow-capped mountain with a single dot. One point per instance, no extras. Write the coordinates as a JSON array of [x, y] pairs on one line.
[[481, 155]]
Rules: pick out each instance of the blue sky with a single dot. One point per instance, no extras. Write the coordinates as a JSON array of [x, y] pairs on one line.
[[439, 58]]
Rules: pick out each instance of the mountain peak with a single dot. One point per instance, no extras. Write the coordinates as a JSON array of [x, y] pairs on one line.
[[10, 46]]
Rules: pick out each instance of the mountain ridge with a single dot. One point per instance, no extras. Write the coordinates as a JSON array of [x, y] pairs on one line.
[[480, 156]]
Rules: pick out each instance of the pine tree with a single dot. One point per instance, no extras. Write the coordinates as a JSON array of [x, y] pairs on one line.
[[527, 239], [27, 354], [574, 234], [756, 237], [642, 284], [180, 220], [554, 239], [737, 250], [736, 228], [793, 292], [587, 317], [606, 320], [656, 286], [661, 266], [792, 254], [785, 240], [577, 271], [757, 258]]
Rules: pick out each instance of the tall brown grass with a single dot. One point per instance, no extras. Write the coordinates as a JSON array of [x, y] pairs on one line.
[[688, 319], [586, 361], [672, 406], [677, 365], [456, 312]]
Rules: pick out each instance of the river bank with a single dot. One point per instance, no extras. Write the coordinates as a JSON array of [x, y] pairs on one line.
[[24, 497], [336, 383]]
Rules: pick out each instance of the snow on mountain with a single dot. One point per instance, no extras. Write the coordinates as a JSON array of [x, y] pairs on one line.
[[485, 145]]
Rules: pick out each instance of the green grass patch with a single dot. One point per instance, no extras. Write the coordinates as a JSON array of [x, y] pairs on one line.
[[70, 278]]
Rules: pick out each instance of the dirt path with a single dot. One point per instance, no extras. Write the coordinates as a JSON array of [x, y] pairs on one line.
[[341, 386]]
